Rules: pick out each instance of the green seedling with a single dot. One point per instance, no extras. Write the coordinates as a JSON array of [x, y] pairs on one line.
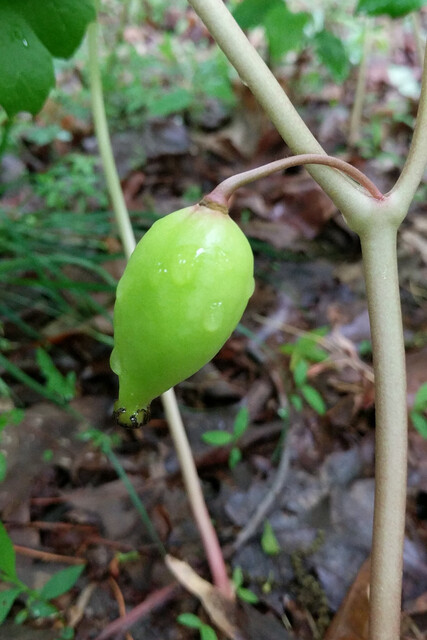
[[242, 592], [71, 184], [192, 621], [37, 603], [304, 351], [219, 438], [269, 542]]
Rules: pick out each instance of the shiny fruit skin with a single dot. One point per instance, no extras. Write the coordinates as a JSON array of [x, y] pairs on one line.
[[181, 296]]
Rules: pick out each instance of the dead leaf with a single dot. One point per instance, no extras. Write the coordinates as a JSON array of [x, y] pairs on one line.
[[221, 610], [237, 620], [352, 618]]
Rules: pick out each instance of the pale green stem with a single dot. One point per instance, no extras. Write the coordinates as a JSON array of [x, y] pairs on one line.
[[104, 142], [418, 37], [413, 171], [380, 267], [258, 77], [359, 96], [191, 479], [188, 469]]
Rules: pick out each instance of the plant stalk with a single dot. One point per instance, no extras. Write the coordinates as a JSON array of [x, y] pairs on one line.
[[380, 266], [418, 37], [415, 165], [195, 496], [104, 143], [183, 449]]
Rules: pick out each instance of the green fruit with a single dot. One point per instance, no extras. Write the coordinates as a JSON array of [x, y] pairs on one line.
[[182, 294]]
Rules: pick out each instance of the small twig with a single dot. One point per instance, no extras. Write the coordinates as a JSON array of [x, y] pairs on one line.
[[46, 556], [268, 501], [153, 601], [120, 601], [52, 526]]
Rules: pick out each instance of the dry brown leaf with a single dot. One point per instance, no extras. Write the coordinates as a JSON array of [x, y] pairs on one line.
[[221, 610], [352, 618]]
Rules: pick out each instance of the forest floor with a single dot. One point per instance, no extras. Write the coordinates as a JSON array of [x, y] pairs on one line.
[[61, 500]]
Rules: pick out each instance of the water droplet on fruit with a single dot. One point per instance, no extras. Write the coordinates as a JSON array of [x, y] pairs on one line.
[[156, 272], [25, 42], [181, 270], [213, 317]]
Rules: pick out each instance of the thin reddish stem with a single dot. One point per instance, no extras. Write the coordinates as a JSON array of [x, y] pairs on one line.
[[221, 194]]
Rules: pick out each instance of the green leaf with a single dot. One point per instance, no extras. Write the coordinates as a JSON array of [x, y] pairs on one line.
[[31, 32], [241, 423], [251, 13], [314, 399], [332, 54], [63, 386], [420, 400], [172, 102], [269, 542], [296, 402], [393, 8], [234, 457], [59, 24], [307, 347], [237, 577], [217, 438], [247, 595], [420, 423], [3, 466], [207, 633], [7, 598], [284, 30], [190, 620], [300, 372], [41, 609], [61, 582], [21, 616], [14, 416], [7, 554]]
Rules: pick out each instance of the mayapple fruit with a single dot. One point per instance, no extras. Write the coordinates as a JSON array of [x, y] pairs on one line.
[[181, 296]]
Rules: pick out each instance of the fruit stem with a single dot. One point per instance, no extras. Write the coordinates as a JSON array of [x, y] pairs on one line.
[[221, 194], [195, 496]]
